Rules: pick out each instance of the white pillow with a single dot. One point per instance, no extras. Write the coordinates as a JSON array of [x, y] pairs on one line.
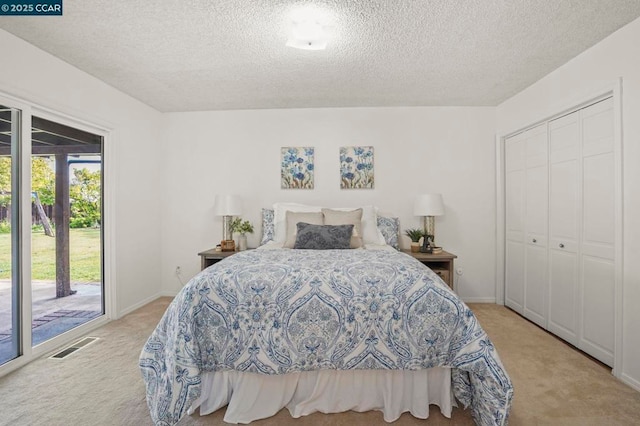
[[280, 217]]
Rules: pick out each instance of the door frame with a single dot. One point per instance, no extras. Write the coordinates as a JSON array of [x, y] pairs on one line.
[[613, 90]]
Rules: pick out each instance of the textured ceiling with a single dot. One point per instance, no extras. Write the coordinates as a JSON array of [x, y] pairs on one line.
[[230, 54]]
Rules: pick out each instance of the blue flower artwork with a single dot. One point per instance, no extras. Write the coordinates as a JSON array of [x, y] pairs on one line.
[[356, 167], [297, 168]]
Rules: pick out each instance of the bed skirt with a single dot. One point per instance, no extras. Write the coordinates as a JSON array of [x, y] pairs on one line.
[[250, 396]]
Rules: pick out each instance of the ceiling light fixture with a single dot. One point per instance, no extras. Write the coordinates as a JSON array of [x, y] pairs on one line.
[[309, 27], [308, 34]]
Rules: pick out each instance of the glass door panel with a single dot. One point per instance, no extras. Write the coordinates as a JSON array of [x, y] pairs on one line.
[[10, 347], [66, 236]]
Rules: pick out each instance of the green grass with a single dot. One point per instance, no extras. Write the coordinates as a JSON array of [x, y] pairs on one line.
[[84, 250]]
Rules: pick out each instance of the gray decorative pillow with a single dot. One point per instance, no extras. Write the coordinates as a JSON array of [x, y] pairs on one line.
[[323, 237], [292, 219], [268, 229], [390, 228]]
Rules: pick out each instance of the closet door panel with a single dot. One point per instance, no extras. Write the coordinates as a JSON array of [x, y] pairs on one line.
[[597, 128], [514, 218], [536, 147], [536, 284], [514, 153], [535, 220], [564, 203], [514, 276], [598, 233], [515, 206], [564, 138], [599, 200], [563, 287], [537, 187], [514, 188], [564, 227], [597, 337]]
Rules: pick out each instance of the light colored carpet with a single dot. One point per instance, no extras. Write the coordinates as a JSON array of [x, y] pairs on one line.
[[101, 384]]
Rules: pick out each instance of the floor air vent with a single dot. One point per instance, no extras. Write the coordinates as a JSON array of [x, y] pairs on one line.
[[73, 348]]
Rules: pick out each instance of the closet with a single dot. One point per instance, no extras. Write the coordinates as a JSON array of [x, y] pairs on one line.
[[560, 227]]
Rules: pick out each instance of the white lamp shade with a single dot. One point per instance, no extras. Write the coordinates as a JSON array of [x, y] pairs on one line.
[[428, 205], [227, 205]]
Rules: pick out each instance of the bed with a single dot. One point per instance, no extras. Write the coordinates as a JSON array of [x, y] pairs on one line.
[[324, 330]]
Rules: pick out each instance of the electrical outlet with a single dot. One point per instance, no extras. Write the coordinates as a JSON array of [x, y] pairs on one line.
[[178, 270], [459, 271]]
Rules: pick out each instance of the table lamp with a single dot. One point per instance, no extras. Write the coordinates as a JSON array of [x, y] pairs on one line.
[[428, 206], [227, 206]]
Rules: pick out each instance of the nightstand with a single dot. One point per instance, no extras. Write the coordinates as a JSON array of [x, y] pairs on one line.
[[441, 264], [211, 256]]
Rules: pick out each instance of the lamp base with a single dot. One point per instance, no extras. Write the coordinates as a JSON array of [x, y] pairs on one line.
[[228, 245]]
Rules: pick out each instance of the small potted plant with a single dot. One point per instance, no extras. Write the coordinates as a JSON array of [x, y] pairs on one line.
[[238, 226], [414, 234]]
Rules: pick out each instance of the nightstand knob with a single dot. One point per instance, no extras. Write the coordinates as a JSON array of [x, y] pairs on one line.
[[561, 245], [535, 241]]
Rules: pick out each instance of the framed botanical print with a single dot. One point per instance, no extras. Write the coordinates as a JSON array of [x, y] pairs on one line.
[[356, 167], [296, 168]]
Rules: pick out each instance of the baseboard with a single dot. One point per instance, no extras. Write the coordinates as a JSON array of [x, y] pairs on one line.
[[13, 365], [169, 293], [479, 299], [630, 381], [138, 305]]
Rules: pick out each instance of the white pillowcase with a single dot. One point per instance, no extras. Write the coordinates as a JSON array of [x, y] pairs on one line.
[[370, 232], [280, 217]]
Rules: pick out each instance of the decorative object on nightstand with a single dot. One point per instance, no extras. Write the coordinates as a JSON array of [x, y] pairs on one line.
[[242, 228], [414, 234], [428, 206], [227, 206]]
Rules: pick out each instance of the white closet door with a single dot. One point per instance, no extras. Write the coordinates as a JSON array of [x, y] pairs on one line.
[[598, 225], [536, 213], [561, 226], [564, 208], [514, 221]]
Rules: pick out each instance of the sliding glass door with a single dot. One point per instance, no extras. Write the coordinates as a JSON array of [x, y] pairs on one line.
[[51, 232], [10, 301], [66, 232]]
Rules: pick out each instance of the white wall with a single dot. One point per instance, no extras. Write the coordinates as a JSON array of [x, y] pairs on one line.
[[616, 56], [417, 150], [35, 76]]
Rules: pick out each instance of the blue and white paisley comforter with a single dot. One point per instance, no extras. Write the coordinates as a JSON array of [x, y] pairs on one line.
[[280, 311]]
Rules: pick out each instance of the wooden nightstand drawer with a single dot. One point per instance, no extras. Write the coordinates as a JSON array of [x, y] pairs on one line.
[[211, 256], [443, 274], [440, 263]]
